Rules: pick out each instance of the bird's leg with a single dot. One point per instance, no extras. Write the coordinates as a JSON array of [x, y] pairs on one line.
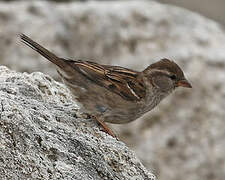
[[105, 127]]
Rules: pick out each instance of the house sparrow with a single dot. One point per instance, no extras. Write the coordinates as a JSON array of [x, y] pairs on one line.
[[115, 94]]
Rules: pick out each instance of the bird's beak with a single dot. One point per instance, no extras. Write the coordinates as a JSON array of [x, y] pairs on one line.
[[184, 83]]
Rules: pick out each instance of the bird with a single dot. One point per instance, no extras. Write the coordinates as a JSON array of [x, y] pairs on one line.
[[114, 94]]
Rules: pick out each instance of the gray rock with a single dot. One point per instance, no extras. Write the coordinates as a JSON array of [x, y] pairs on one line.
[[183, 138], [212, 9], [42, 135]]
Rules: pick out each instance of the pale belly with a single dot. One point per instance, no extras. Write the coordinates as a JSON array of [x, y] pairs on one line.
[[111, 107]]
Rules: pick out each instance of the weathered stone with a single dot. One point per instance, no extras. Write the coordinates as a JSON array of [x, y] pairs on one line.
[[43, 136]]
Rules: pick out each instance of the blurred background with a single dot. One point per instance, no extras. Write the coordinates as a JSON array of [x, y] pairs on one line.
[[211, 9], [184, 137]]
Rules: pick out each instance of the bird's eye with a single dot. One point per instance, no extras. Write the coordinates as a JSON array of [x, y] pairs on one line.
[[173, 77]]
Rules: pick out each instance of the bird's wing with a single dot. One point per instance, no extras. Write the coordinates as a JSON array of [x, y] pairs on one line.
[[122, 81]]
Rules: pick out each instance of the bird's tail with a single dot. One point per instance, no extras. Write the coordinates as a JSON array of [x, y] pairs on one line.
[[43, 51]]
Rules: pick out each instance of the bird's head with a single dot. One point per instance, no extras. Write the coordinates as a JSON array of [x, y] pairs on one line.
[[166, 75]]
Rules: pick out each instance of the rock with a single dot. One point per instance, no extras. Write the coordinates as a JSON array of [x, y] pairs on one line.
[[212, 9], [43, 136], [183, 138]]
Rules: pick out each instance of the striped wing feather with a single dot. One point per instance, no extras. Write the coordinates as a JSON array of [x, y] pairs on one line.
[[121, 81]]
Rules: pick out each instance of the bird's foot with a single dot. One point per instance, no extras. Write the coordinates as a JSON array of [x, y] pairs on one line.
[[105, 127]]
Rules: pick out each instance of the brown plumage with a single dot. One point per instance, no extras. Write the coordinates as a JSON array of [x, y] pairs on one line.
[[112, 93]]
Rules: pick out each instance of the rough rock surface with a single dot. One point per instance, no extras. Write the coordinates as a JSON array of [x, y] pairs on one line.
[[42, 136], [183, 138]]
